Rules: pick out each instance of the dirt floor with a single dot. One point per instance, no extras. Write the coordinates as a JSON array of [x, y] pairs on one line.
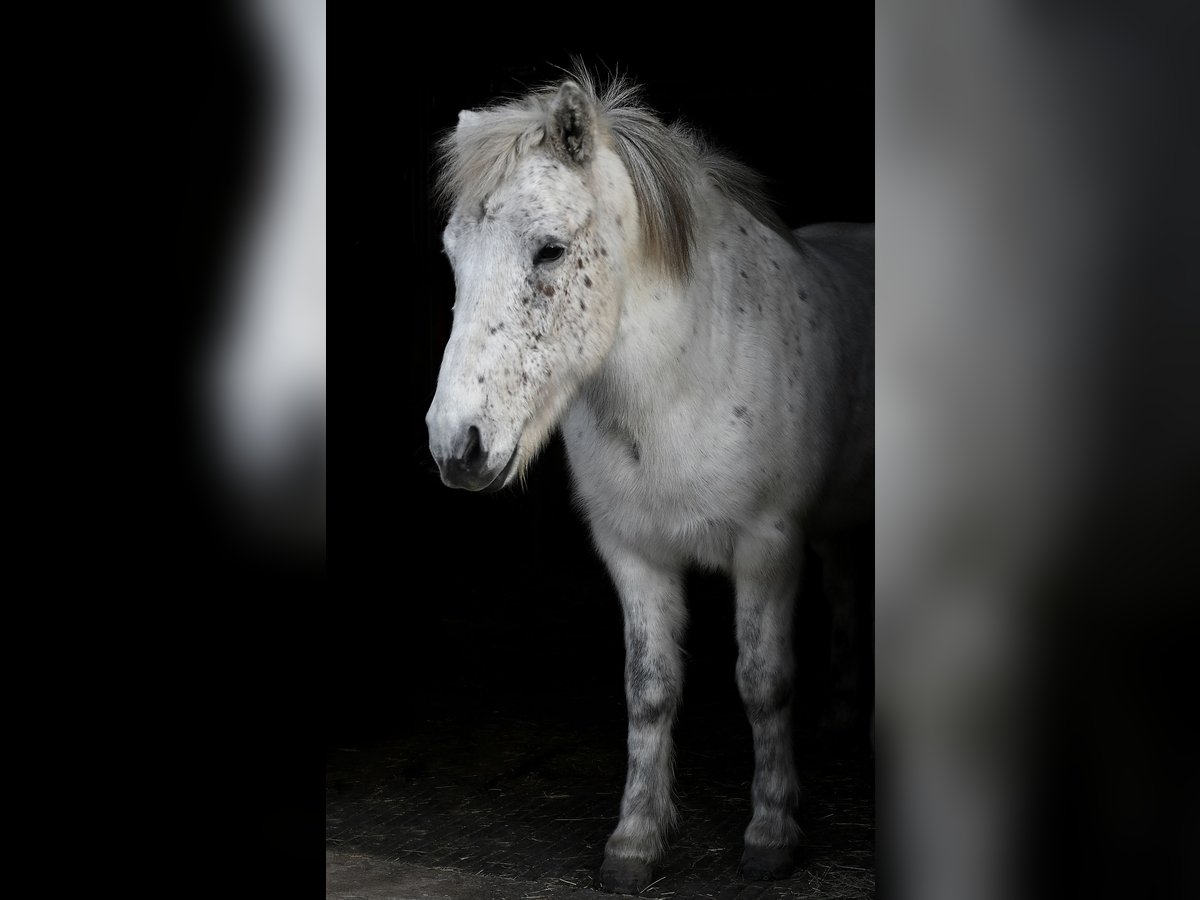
[[504, 808]]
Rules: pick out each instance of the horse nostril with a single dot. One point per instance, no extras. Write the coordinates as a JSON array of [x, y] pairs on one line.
[[472, 455], [465, 463]]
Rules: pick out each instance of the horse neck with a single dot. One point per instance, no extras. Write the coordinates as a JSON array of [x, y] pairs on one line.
[[670, 331]]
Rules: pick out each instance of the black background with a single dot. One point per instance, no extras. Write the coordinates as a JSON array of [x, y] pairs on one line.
[[445, 600]]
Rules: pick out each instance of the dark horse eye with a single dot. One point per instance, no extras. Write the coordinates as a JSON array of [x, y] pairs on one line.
[[550, 253]]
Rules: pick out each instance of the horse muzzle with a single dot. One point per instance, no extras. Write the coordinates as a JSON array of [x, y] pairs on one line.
[[465, 463]]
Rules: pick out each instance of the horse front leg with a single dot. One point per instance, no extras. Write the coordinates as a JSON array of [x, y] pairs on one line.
[[767, 565], [652, 602]]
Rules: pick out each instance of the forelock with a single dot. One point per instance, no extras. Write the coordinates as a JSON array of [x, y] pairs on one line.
[[664, 163]]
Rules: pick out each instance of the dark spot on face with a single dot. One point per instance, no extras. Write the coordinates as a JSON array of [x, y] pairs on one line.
[[741, 229], [760, 309], [635, 451], [587, 281], [537, 336], [579, 263], [583, 306], [775, 264], [744, 275], [491, 331], [741, 309], [480, 379], [548, 290], [803, 295], [604, 251], [739, 411]]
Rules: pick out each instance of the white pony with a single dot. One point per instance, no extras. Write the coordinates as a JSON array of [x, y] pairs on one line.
[[712, 375]]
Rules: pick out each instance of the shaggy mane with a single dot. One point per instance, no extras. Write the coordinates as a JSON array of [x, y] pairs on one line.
[[666, 163]]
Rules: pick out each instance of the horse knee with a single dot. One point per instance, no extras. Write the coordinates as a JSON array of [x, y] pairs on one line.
[[652, 690], [652, 701], [765, 692], [643, 712]]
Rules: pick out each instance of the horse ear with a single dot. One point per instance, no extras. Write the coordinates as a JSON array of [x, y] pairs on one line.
[[572, 124]]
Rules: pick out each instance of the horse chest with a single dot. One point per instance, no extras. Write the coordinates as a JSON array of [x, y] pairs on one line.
[[655, 492]]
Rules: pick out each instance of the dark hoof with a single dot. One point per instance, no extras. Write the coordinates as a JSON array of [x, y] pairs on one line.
[[625, 876], [767, 863]]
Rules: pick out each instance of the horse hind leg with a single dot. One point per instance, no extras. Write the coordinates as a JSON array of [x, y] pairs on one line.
[[654, 612], [848, 704], [767, 569]]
